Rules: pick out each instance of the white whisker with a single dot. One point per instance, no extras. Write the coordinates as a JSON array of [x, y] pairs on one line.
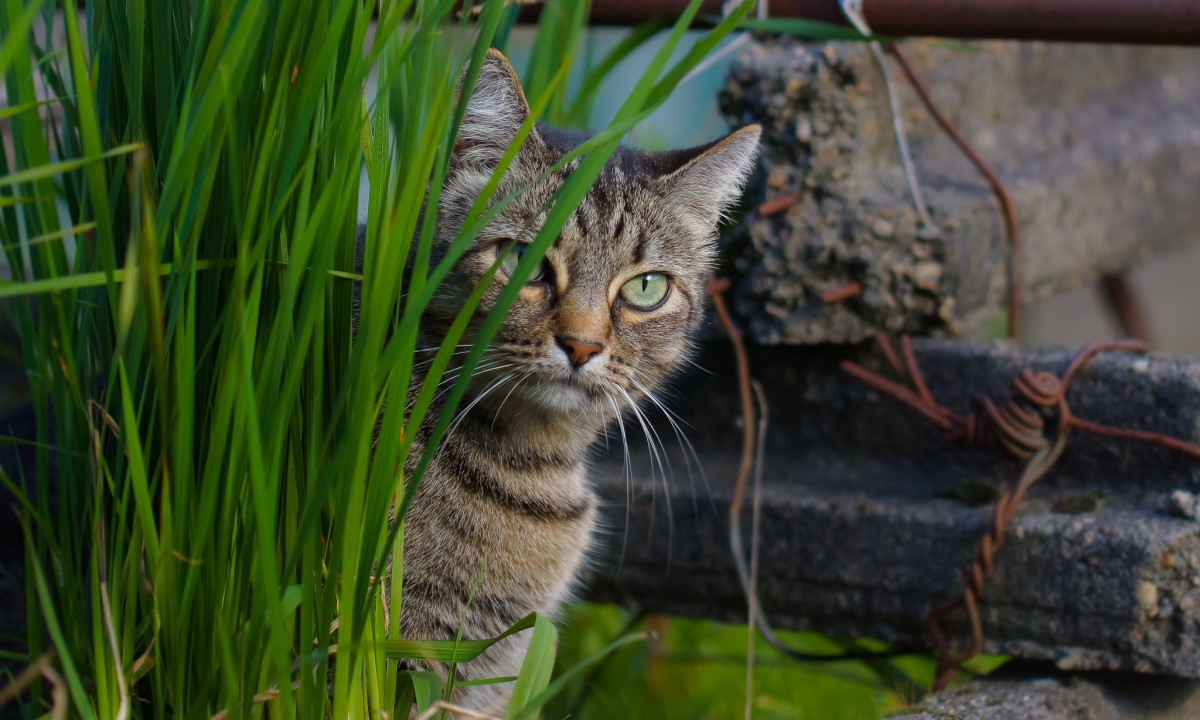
[[628, 477], [463, 413], [450, 376], [651, 436], [516, 385], [689, 451], [488, 354]]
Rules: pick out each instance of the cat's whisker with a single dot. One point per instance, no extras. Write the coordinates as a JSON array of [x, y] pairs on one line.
[[436, 348], [429, 360], [657, 449], [488, 354], [523, 377], [690, 456], [651, 437], [463, 413], [628, 476], [698, 366], [452, 374], [489, 369], [685, 444], [604, 433]]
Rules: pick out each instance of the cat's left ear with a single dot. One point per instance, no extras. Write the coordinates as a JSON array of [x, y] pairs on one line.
[[495, 111], [712, 181]]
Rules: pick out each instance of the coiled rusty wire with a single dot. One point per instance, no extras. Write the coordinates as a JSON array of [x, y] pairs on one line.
[[1032, 424]]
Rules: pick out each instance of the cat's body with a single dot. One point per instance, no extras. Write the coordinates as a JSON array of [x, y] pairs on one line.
[[504, 504], [505, 501]]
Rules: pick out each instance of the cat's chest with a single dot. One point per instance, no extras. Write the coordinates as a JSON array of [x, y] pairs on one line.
[[539, 556], [524, 519]]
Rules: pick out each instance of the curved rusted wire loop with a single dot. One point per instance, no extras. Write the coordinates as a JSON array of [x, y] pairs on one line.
[[1031, 424], [949, 659]]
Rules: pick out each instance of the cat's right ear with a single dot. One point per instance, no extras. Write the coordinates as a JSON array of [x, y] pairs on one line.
[[494, 114]]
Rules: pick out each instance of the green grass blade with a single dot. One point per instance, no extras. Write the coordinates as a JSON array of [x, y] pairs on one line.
[[16, 41], [532, 705], [810, 29], [447, 650], [426, 689], [44, 172], [638, 36], [534, 676]]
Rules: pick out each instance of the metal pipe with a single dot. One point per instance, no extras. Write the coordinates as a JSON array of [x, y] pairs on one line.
[[1150, 22]]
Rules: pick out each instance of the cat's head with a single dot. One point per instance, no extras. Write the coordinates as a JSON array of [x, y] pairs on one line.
[[610, 312]]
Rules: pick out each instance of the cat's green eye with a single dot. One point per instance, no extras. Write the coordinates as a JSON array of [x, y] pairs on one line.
[[508, 263], [646, 291]]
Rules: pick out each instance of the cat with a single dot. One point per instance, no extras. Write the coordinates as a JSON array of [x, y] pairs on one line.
[[604, 320]]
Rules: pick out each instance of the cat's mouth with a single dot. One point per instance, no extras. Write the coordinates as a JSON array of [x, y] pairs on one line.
[[523, 377], [569, 389], [566, 398], [574, 381]]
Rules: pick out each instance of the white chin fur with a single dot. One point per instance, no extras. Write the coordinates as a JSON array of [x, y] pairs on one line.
[[562, 396]]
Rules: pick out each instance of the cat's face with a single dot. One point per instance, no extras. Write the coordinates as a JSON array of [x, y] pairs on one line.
[[611, 310]]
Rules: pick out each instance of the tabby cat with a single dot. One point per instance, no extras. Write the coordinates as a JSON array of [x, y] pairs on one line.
[[605, 319]]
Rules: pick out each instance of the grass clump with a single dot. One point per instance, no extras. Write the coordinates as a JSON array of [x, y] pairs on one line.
[[178, 206]]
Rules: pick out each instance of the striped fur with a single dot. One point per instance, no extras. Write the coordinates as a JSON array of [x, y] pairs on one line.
[[507, 492]]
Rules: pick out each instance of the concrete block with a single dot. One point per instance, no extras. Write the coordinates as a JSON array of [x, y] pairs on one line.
[[869, 519], [1099, 147], [1038, 696]]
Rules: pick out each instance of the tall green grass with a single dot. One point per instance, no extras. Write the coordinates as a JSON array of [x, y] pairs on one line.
[[178, 209]]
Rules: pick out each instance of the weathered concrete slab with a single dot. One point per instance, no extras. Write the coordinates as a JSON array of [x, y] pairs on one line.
[[1099, 147], [1091, 696], [868, 521]]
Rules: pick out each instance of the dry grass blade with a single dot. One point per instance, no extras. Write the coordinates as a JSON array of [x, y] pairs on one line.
[[440, 706], [25, 678], [755, 536], [258, 699], [58, 693], [752, 446]]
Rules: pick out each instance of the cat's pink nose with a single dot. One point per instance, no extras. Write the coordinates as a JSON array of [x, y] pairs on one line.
[[578, 351]]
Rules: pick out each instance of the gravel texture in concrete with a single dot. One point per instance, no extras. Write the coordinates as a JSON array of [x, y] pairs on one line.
[[1098, 146]]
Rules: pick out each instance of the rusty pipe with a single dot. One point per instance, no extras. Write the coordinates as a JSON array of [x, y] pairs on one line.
[[1150, 22]]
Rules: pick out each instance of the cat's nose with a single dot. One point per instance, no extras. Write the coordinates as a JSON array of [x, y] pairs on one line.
[[578, 351]]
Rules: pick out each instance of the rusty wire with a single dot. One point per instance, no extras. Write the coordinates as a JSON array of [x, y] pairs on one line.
[[845, 291], [753, 445], [715, 288], [1012, 229], [1032, 424], [778, 204], [1125, 306]]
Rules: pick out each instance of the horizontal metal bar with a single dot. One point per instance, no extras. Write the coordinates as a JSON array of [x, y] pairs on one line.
[[1165, 22]]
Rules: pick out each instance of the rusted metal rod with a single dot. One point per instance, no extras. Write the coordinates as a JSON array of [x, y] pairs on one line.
[[1148, 22]]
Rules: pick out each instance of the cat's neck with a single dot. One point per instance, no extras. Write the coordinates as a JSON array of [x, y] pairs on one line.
[[570, 432]]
